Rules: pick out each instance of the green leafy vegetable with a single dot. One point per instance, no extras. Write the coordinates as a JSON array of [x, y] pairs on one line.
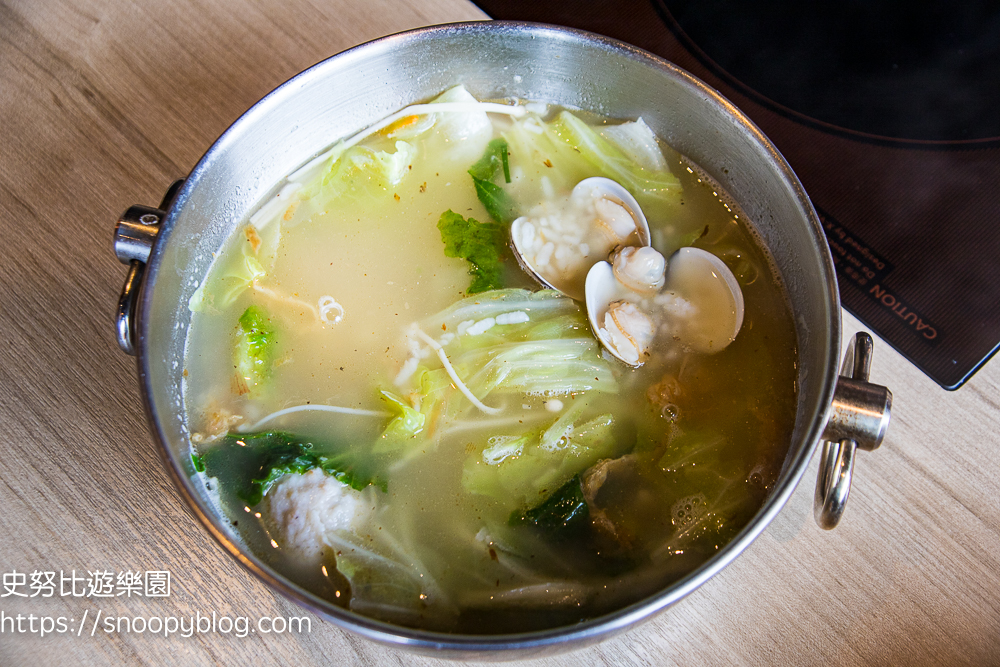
[[536, 145], [482, 244], [638, 141], [559, 366], [497, 202], [548, 351], [238, 271], [706, 492], [563, 515], [541, 306], [252, 463], [612, 162], [254, 350], [523, 472], [577, 150], [388, 578], [492, 161], [403, 429], [467, 132], [198, 462], [362, 169], [704, 450], [707, 510], [562, 427]]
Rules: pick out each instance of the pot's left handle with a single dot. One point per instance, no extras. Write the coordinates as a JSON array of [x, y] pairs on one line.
[[135, 234]]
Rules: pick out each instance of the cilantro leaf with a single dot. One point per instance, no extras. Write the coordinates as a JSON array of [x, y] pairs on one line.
[[482, 244]]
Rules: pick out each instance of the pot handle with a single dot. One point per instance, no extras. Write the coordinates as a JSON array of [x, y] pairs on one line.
[[859, 417], [135, 234]]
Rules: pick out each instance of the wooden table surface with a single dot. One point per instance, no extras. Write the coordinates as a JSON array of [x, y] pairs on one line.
[[102, 104]]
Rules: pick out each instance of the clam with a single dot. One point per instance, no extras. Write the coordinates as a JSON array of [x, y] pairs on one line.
[[704, 281], [617, 317], [640, 269], [563, 245], [700, 304], [557, 244], [620, 316]]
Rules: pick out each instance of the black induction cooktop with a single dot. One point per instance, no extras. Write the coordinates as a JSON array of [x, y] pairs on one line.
[[889, 113]]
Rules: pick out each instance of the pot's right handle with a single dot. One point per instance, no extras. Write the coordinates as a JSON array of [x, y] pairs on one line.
[[135, 235], [859, 418]]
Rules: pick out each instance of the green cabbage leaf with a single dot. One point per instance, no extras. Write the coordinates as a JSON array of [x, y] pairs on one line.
[[237, 270], [647, 186], [254, 350], [523, 471], [403, 429]]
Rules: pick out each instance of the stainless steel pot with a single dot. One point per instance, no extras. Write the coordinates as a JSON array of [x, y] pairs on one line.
[[170, 249]]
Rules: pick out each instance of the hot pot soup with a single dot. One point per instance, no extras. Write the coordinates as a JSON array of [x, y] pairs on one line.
[[490, 367]]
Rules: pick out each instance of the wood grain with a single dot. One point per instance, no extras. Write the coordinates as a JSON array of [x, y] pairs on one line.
[[102, 104]]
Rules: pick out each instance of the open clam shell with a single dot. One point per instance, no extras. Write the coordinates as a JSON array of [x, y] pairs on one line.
[[701, 306], [704, 280], [618, 316], [558, 250]]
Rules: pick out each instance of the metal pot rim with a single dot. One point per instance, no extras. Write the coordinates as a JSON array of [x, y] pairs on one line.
[[555, 639]]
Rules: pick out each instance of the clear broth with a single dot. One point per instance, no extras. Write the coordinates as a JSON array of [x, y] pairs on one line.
[[381, 257]]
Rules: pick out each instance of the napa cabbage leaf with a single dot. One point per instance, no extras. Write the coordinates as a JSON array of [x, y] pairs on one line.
[[706, 491], [394, 575], [572, 150], [638, 142], [468, 132], [359, 172], [544, 367], [506, 342], [540, 306], [646, 185]]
